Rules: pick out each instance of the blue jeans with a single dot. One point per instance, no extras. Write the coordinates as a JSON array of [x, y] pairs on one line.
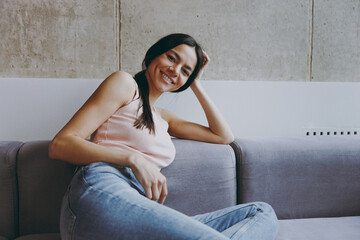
[[107, 202]]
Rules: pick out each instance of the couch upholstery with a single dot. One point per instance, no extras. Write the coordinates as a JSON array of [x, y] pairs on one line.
[[312, 183]]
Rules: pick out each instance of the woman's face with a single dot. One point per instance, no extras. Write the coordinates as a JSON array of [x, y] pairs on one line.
[[170, 71]]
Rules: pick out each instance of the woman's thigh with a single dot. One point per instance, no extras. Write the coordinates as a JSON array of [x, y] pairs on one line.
[[104, 202]]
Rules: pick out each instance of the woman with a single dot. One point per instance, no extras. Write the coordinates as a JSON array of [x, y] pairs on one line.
[[119, 190]]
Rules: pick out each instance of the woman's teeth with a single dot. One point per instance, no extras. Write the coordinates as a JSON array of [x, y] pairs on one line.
[[167, 78]]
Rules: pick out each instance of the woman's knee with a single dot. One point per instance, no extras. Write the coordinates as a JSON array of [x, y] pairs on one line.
[[268, 213]]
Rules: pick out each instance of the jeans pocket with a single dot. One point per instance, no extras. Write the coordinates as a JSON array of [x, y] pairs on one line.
[[67, 220]]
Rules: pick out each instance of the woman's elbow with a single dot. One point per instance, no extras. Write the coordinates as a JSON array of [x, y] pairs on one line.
[[54, 148], [226, 139], [229, 139]]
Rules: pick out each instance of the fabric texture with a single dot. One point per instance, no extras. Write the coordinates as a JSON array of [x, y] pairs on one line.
[[42, 183], [301, 177], [347, 228], [8, 189], [119, 132], [44, 236], [202, 178]]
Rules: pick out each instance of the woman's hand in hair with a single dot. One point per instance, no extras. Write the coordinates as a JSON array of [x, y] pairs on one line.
[[150, 178], [202, 69]]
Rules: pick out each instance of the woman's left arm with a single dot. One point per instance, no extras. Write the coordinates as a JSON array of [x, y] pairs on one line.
[[218, 130]]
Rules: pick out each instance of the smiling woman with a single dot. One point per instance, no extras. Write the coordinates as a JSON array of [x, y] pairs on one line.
[[118, 191], [174, 67]]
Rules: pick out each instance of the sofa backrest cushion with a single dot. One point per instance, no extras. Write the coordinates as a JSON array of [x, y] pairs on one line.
[[301, 177], [42, 183], [8, 188], [202, 177]]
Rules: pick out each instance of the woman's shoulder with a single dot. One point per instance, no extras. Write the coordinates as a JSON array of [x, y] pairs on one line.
[[119, 86], [122, 78]]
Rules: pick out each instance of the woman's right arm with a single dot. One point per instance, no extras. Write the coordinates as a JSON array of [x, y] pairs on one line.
[[70, 143]]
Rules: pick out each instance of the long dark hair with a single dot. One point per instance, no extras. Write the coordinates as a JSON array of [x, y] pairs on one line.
[[163, 45]]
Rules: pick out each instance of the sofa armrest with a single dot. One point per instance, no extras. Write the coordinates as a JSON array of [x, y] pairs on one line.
[[8, 189], [202, 177], [42, 183], [301, 177]]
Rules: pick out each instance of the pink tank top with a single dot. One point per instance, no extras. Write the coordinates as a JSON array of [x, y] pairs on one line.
[[119, 132]]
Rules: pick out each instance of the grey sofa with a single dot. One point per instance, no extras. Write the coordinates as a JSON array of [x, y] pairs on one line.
[[313, 183]]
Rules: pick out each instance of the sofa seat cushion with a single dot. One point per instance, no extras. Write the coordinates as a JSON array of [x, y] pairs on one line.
[[44, 236], [320, 228]]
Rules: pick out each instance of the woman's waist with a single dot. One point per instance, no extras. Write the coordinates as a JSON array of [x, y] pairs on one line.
[[159, 156]]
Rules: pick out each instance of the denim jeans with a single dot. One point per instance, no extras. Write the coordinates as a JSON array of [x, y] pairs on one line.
[[107, 202]]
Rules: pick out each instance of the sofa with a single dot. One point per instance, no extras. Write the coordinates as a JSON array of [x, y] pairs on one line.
[[313, 184]]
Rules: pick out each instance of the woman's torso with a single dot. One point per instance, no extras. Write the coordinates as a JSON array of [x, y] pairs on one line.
[[119, 132]]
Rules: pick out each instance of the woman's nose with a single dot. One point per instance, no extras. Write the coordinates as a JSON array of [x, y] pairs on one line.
[[174, 70]]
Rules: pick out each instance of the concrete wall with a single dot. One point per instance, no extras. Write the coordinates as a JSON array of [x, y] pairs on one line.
[[249, 40], [336, 50], [246, 40], [60, 39]]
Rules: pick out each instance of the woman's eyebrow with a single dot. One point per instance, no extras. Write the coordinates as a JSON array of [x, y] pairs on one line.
[[179, 58]]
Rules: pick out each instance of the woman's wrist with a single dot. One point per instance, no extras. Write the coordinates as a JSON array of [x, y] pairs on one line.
[[196, 85], [131, 160]]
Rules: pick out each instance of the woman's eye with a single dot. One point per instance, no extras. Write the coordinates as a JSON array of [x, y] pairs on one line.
[[171, 58], [186, 72]]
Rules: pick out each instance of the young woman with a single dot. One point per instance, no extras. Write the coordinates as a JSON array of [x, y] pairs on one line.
[[118, 191]]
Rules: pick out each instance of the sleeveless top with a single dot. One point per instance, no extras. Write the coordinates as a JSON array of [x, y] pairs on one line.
[[119, 132]]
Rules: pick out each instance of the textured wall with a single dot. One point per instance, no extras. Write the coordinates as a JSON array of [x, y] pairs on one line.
[[304, 40], [277, 40], [246, 39], [68, 38], [336, 53]]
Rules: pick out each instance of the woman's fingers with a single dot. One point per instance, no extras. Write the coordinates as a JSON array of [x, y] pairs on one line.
[[155, 187], [206, 58], [164, 193], [155, 192], [153, 181], [159, 189]]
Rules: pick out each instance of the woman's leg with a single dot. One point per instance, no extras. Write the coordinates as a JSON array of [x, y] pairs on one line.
[[104, 202], [246, 221]]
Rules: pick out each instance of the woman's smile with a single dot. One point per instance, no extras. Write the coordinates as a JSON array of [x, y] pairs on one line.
[[167, 78]]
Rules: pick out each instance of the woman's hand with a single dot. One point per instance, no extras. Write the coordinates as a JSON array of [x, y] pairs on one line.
[[150, 178], [202, 69]]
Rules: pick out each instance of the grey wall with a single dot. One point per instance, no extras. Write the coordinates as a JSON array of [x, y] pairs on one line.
[[277, 40], [336, 51], [68, 38], [246, 40]]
